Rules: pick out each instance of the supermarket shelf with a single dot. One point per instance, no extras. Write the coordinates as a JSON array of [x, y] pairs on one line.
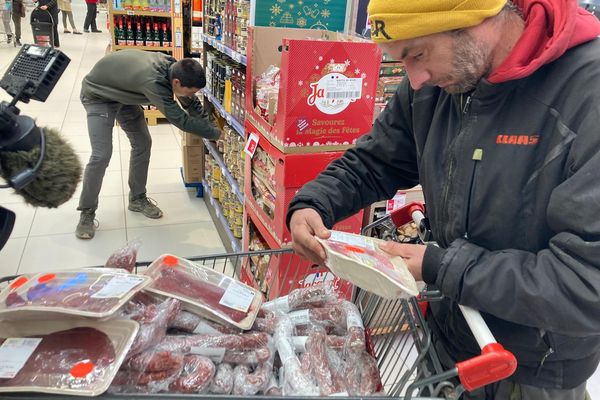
[[224, 49], [121, 47], [228, 117], [226, 173], [139, 13], [232, 244]]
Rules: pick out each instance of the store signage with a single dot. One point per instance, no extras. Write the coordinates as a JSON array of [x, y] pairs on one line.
[[251, 144]]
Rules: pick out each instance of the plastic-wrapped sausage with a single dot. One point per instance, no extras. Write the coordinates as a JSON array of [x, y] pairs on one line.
[[222, 383], [152, 331], [196, 376], [362, 374], [302, 298], [355, 337], [155, 361], [319, 363], [187, 322]]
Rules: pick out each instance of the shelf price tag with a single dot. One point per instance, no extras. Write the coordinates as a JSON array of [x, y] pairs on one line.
[[251, 144], [129, 12], [177, 6], [237, 57]]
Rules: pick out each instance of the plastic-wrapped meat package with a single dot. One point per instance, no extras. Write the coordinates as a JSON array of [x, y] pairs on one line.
[[303, 298], [153, 329], [204, 291], [362, 374], [155, 361], [332, 316], [336, 365], [222, 382], [125, 257], [251, 383], [78, 358], [294, 380], [355, 329], [273, 388], [134, 381], [191, 323], [87, 293], [196, 376]]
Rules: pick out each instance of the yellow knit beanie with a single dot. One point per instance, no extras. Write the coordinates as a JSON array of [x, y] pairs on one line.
[[407, 19]]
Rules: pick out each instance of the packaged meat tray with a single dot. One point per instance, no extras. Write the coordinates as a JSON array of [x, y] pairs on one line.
[[66, 357], [94, 293], [359, 260], [204, 291]]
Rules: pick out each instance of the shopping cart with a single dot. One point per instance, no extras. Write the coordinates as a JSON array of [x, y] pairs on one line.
[[397, 337], [42, 27]]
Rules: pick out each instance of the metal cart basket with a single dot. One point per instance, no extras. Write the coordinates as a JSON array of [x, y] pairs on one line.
[[397, 336]]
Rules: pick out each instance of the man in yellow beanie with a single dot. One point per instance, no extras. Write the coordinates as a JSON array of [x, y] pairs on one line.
[[498, 121]]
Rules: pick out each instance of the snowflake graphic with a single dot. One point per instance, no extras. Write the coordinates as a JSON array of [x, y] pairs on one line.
[[316, 67], [357, 71], [326, 1], [347, 62], [332, 61], [272, 24], [291, 6], [275, 9], [301, 22], [320, 58], [363, 75], [325, 13], [300, 83]]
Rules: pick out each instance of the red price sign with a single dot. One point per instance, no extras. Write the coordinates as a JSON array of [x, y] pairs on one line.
[[251, 144]]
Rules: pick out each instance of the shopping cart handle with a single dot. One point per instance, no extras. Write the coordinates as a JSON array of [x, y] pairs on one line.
[[404, 215], [494, 364]]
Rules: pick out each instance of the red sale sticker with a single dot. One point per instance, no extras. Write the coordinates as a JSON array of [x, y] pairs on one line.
[[251, 144]]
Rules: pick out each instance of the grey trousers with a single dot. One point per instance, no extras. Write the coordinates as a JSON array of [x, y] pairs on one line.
[[507, 390], [69, 14], [17, 21], [100, 120], [6, 21]]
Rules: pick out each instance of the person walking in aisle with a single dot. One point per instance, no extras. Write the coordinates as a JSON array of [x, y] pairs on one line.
[[52, 7], [90, 17], [498, 121], [18, 12], [5, 12], [67, 11], [114, 89]]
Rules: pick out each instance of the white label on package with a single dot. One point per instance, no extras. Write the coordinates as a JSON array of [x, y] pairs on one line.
[[216, 354], [399, 200], [238, 297], [344, 88], [354, 240], [14, 353], [118, 286], [301, 317], [205, 329], [251, 144], [299, 343], [353, 320]]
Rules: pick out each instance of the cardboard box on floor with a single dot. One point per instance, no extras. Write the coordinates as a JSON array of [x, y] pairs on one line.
[[193, 163], [328, 83], [189, 139]]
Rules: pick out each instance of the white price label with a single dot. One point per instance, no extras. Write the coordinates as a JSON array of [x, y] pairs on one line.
[[354, 240], [299, 343], [205, 329], [178, 39], [129, 12], [177, 6], [237, 296], [301, 317], [251, 144], [344, 89], [398, 201], [215, 354], [237, 57], [118, 286], [14, 353]]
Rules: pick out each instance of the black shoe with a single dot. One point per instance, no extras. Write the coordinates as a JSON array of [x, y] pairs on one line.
[[97, 31], [86, 30], [18, 42], [8, 39]]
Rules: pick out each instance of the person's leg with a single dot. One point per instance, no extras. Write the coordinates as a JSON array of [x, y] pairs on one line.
[[55, 30], [6, 22], [71, 20], [17, 21], [131, 119], [507, 390], [88, 16], [93, 26], [64, 20], [100, 121]]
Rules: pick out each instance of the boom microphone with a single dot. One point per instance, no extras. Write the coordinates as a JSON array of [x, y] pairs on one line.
[[55, 180]]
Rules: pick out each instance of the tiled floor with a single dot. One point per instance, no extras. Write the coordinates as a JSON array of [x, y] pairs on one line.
[[44, 238]]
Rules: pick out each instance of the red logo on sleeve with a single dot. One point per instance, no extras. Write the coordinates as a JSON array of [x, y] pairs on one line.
[[518, 140]]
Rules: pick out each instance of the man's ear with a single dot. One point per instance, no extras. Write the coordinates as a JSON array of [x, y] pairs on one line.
[[176, 82]]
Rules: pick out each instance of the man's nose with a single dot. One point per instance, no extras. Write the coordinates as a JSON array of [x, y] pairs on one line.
[[417, 76]]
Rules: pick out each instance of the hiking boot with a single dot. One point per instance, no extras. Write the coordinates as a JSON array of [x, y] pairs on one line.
[[87, 225], [146, 206]]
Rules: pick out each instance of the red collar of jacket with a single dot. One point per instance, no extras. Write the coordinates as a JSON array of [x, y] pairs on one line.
[[551, 28]]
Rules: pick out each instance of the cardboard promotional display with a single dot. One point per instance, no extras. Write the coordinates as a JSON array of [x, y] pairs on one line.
[[327, 87]]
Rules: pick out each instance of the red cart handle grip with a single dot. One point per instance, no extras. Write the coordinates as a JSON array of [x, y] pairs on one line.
[[404, 215], [494, 364]]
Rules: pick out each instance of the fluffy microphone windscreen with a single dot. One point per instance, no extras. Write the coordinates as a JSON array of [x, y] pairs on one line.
[[57, 178]]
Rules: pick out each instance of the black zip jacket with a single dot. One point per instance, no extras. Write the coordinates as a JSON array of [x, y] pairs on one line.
[[511, 178]]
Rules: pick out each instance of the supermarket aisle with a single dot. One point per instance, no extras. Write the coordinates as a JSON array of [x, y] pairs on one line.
[[44, 238]]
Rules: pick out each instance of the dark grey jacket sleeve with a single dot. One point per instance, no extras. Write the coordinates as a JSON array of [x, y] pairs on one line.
[[195, 122], [380, 164], [557, 288]]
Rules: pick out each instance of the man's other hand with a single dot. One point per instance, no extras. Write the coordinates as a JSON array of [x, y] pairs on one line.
[[411, 253], [305, 224]]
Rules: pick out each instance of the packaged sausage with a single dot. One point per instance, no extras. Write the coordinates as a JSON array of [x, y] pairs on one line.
[[94, 293], [359, 260], [204, 291], [67, 356]]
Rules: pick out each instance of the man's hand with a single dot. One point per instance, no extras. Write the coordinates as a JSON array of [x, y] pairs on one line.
[[304, 225], [411, 253], [43, 7]]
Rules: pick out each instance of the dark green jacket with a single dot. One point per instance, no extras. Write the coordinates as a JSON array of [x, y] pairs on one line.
[[144, 77]]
